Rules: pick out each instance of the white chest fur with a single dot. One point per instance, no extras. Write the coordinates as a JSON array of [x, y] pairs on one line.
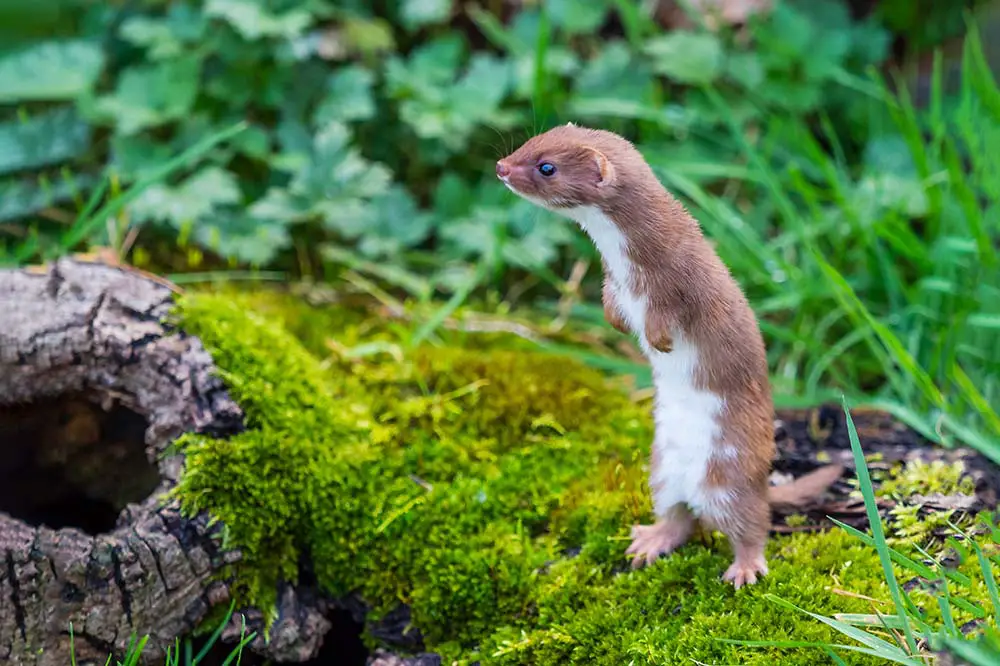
[[685, 416]]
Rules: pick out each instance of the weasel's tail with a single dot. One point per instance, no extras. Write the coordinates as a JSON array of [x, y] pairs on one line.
[[805, 488]]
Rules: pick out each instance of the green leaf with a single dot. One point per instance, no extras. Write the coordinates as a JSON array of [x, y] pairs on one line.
[[166, 37], [137, 155], [418, 13], [242, 237], [517, 232], [389, 223], [577, 16], [50, 71], [22, 198], [367, 36], [453, 196], [438, 107], [827, 55], [94, 217], [42, 140], [429, 67], [687, 57], [482, 88], [615, 74], [152, 34], [253, 21], [348, 96], [746, 69], [330, 179], [254, 143], [196, 198], [152, 95], [789, 36], [337, 172], [871, 42]]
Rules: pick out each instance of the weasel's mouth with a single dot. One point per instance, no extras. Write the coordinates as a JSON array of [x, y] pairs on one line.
[[506, 181]]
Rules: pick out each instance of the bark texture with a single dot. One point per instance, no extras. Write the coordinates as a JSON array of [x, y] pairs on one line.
[[84, 356]]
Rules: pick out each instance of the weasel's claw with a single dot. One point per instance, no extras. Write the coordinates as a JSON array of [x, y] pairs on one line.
[[742, 573], [651, 541]]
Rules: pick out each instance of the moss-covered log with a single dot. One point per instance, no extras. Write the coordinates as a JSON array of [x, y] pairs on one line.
[[473, 496], [94, 387]]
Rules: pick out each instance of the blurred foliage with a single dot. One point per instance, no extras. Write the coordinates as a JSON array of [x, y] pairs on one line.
[[862, 227], [374, 125]]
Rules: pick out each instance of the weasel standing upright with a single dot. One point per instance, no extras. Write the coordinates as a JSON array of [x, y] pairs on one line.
[[713, 412]]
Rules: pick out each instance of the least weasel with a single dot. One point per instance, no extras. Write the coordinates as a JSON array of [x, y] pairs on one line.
[[713, 412]]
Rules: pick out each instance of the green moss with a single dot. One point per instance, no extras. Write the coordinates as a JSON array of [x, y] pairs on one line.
[[491, 490], [908, 522], [917, 477]]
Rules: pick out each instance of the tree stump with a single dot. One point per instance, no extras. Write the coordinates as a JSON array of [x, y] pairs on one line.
[[94, 386]]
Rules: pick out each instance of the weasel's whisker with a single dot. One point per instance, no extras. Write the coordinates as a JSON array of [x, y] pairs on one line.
[[503, 141], [492, 146]]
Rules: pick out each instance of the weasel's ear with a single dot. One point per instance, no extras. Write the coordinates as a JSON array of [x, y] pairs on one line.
[[604, 167]]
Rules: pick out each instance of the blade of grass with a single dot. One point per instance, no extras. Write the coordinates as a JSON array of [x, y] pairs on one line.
[[976, 653], [901, 658], [987, 570], [976, 70], [834, 657], [215, 634], [226, 276], [875, 520], [395, 275], [902, 560], [634, 22], [971, 393], [541, 90], [427, 328], [494, 30], [850, 302]]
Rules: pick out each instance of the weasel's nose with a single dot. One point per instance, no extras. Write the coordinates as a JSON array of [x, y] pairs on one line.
[[502, 169]]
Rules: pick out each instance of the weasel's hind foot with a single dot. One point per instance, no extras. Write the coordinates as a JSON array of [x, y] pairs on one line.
[[745, 569], [660, 538]]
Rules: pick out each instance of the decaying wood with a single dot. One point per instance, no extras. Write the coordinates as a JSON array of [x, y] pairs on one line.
[[77, 342]]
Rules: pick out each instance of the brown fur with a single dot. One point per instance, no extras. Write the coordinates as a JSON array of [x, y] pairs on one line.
[[687, 287]]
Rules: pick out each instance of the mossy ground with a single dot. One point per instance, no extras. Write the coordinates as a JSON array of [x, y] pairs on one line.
[[489, 487]]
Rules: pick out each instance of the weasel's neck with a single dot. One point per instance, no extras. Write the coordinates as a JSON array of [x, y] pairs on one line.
[[654, 237]]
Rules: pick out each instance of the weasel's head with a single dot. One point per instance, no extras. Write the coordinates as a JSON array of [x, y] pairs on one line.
[[567, 166]]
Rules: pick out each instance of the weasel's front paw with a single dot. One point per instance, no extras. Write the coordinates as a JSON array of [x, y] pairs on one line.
[[660, 538], [613, 316], [612, 312], [661, 342]]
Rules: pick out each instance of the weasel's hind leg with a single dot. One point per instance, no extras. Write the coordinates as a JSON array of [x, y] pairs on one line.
[[669, 532], [746, 526]]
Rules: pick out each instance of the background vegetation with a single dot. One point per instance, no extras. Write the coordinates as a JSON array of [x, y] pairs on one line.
[[309, 137], [277, 139]]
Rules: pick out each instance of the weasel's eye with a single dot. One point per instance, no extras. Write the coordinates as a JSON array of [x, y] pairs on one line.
[[546, 169]]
